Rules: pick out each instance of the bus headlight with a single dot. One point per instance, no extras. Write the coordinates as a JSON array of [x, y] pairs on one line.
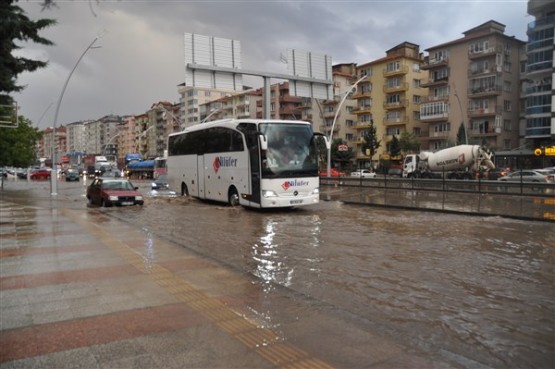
[[269, 193], [316, 191]]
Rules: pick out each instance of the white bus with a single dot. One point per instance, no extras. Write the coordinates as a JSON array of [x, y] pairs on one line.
[[248, 162]]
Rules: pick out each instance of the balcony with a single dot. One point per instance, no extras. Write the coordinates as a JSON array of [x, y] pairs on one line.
[[483, 71], [435, 82], [434, 63], [362, 125], [484, 91], [400, 87], [480, 112], [362, 94], [492, 50], [434, 117], [403, 69], [329, 114], [363, 109], [427, 99], [439, 134], [395, 121], [396, 105]]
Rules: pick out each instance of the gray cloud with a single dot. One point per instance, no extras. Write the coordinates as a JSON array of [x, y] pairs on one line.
[[141, 59]]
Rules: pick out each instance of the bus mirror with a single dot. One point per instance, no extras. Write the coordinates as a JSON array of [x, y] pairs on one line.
[[263, 142]]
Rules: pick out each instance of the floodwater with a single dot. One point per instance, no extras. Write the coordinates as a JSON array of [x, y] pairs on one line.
[[478, 291]]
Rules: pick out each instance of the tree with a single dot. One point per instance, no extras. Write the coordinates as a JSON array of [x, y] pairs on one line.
[[371, 141], [394, 146], [17, 145], [16, 26], [342, 157], [408, 142], [461, 135]]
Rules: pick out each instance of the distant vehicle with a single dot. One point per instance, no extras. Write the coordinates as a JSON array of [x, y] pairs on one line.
[[113, 191], [457, 162], [333, 173], [40, 174], [72, 175], [494, 174], [161, 188], [549, 172], [527, 176], [364, 173]]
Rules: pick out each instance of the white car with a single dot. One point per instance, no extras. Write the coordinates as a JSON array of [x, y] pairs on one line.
[[364, 173]]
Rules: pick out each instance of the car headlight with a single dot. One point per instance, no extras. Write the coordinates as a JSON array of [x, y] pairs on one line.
[[113, 198], [269, 193], [139, 198]]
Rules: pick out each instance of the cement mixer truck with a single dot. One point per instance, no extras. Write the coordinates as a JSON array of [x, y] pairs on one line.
[[457, 162]]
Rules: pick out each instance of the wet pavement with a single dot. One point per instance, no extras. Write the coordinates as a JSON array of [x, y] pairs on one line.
[[81, 288], [78, 289]]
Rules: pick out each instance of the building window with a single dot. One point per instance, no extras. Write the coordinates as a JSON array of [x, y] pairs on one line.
[[507, 87], [393, 66], [416, 83], [416, 67], [416, 99], [366, 87], [416, 115], [366, 72], [507, 105], [507, 66], [507, 125]]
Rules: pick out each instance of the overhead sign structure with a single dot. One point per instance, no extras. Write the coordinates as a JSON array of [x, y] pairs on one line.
[[305, 64], [217, 53], [547, 151], [212, 62]]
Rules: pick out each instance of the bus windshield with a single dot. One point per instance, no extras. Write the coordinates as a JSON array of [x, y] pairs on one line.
[[291, 151]]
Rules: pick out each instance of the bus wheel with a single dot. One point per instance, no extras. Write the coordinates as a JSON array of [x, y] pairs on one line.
[[184, 190], [233, 197]]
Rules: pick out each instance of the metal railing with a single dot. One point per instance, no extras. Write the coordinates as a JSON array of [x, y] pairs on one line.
[[478, 186]]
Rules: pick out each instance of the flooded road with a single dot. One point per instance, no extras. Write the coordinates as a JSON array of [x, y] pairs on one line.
[[477, 291]]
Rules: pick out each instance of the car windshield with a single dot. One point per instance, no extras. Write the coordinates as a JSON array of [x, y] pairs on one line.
[[117, 185]]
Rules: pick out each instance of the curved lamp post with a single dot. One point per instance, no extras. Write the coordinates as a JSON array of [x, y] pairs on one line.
[[346, 93], [53, 179], [211, 114]]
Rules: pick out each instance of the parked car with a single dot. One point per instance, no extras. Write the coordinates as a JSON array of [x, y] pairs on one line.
[[72, 175], [364, 173], [110, 191], [333, 173], [395, 172], [40, 174], [527, 176]]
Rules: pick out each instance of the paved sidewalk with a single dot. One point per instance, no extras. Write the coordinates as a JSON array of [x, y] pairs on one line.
[[81, 289]]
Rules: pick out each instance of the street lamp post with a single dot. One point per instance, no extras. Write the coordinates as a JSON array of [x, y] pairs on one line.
[[346, 93], [211, 114], [53, 179]]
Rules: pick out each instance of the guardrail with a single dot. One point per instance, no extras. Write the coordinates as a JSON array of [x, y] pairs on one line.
[[448, 185]]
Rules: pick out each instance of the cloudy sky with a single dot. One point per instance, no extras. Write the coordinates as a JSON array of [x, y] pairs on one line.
[[141, 58]]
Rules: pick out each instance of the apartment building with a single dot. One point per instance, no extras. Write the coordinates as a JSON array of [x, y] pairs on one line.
[[390, 97], [44, 145], [474, 82], [243, 104], [191, 98], [538, 75], [100, 136]]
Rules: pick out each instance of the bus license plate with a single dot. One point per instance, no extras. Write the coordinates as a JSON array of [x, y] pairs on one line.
[[292, 202]]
